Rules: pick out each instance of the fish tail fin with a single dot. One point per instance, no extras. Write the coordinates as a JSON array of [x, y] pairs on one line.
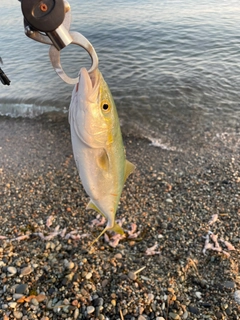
[[116, 228]]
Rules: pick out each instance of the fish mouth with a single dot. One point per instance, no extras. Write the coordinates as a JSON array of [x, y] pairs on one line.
[[88, 83]]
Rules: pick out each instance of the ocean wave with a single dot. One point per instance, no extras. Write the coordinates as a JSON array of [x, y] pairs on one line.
[[24, 110], [165, 146]]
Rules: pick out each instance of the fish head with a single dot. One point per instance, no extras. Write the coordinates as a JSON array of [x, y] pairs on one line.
[[92, 110]]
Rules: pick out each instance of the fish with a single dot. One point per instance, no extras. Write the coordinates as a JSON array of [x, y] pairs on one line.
[[97, 146]]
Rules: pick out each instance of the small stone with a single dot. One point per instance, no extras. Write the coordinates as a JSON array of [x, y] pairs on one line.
[[21, 288], [160, 318], [125, 312], [2, 264], [224, 306], [68, 264], [17, 314], [141, 310], [193, 309], [66, 302], [185, 315], [34, 302], [104, 283], [132, 275], [228, 311], [58, 248], [171, 290], [90, 309], [17, 296], [76, 313], [12, 305], [26, 271], [219, 315], [100, 302], [84, 292], [97, 311], [229, 284], [41, 297], [168, 200], [141, 317], [75, 303], [48, 245], [174, 298], [88, 275], [206, 304], [237, 296], [95, 302], [12, 270], [56, 306], [198, 295], [52, 245], [49, 304], [70, 276], [174, 316], [65, 309], [150, 297], [118, 256], [113, 302], [113, 295]]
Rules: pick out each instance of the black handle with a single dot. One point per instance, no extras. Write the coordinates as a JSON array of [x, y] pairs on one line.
[[3, 78], [45, 15]]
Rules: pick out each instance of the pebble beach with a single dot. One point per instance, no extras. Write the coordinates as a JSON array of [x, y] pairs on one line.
[[175, 204]]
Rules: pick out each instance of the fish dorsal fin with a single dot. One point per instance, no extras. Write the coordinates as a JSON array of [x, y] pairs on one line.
[[129, 168]]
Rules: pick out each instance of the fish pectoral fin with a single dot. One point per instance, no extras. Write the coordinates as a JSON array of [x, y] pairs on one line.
[[103, 160], [129, 168]]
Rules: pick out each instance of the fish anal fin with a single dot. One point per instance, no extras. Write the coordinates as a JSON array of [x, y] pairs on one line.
[[92, 206], [129, 168]]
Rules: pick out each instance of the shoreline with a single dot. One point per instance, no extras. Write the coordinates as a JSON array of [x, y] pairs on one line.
[[171, 197]]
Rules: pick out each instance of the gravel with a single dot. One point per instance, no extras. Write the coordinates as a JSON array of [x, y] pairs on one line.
[[49, 271]]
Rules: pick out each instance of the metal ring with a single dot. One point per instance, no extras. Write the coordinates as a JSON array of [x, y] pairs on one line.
[[80, 40]]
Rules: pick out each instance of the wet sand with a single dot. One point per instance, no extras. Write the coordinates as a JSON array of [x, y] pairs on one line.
[[171, 198]]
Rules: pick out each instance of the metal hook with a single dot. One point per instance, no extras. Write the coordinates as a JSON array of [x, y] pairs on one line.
[[80, 40], [57, 38]]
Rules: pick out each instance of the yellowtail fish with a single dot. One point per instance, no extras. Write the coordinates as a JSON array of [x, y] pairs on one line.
[[97, 145]]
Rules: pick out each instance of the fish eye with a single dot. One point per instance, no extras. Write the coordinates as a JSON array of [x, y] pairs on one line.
[[106, 107]]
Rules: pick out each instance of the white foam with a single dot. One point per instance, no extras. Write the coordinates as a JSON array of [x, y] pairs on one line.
[[25, 110], [157, 142]]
